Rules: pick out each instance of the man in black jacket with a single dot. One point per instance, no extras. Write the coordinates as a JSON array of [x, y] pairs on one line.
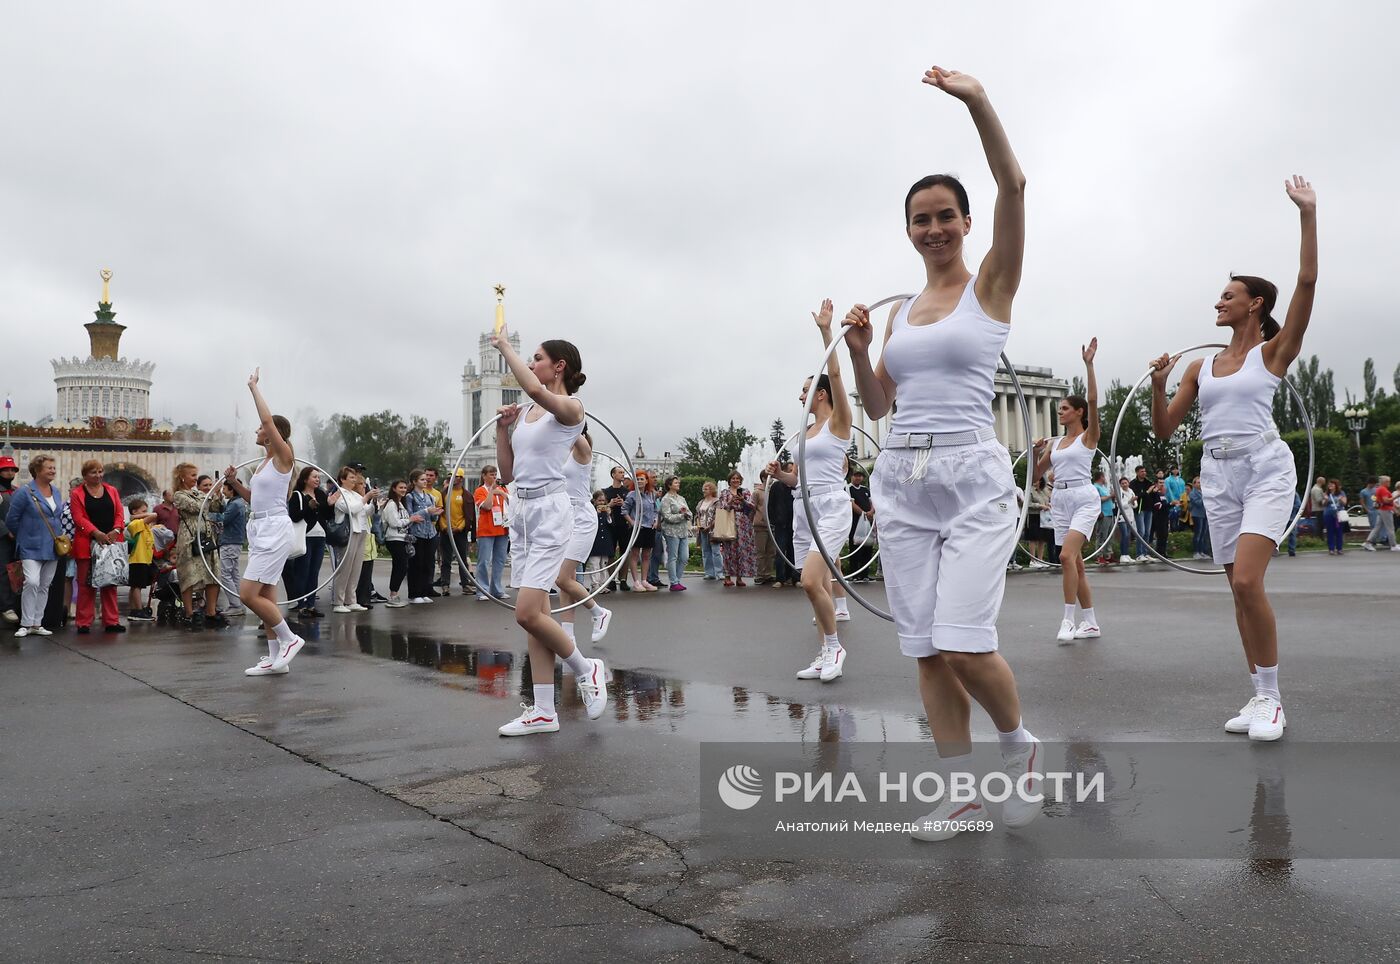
[[780, 529], [861, 507], [615, 494]]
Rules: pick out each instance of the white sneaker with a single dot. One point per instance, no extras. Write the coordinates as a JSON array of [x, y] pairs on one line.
[[593, 688], [942, 824], [531, 721], [40, 631], [357, 608], [22, 632], [840, 618], [1066, 633], [1395, 548], [419, 600], [600, 623], [1268, 721], [395, 603], [1013, 567], [10, 616], [265, 667], [1017, 812], [1368, 547], [1240, 723], [286, 652], [833, 662], [1086, 630], [815, 670], [340, 609]]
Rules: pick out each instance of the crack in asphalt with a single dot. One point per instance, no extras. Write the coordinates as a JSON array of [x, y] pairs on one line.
[[1158, 894], [73, 892], [648, 909]]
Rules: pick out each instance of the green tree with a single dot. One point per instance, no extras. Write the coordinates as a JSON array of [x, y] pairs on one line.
[[713, 451], [1319, 398], [391, 447], [1368, 380], [1395, 379], [1387, 458], [1077, 386], [1333, 453], [1135, 436]]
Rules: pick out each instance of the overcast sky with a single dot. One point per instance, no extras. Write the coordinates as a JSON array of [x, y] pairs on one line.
[[330, 190]]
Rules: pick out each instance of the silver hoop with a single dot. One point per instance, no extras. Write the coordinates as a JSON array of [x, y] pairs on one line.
[[858, 546], [588, 416], [1113, 461], [199, 543], [1108, 540], [802, 451]]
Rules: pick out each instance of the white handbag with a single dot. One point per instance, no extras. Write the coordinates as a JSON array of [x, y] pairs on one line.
[[108, 566]]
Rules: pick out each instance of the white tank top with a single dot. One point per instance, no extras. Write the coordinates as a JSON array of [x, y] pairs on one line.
[[944, 373], [826, 454], [1073, 464], [1237, 406], [541, 448], [267, 489], [578, 480]]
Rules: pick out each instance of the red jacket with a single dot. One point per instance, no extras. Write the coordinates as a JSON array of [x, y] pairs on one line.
[[82, 526]]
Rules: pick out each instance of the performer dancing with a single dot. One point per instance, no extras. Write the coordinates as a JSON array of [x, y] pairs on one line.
[[1076, 506], [943, 485], [269, 535], [1247, 472], [540, 529], [824, 469], [578, 472]]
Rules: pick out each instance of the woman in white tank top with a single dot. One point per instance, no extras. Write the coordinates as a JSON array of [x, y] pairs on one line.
[[269, 535], [1247, 473], [943, 489], [824, 471], [533, 456], [1075, 505], [578, 478]]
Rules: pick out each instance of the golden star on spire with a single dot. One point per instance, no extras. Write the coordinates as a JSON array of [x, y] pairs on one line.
[[500, 291]]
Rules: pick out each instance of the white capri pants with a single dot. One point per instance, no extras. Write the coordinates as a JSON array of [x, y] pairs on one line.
[[269, 543], [1077, 508], [1252, 492], [540, 532], [34, 597], [944, 543], [585, 532], [833, 512]]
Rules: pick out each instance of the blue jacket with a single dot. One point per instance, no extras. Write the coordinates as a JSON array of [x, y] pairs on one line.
[[1176, 486], [235, 520], [419, 503], [27, 521]]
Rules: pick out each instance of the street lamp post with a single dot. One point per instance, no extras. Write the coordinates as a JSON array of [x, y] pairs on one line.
[[1356, 421]]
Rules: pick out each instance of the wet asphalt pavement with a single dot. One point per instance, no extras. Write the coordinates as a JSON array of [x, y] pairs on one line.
[[155, 804]]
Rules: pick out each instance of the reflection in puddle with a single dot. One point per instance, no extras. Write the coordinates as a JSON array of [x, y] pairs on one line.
[[703, 710]]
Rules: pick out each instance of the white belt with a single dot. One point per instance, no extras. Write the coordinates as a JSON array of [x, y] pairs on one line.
[[929, 440], [1228, 448], [540, 491], [816, 490], [1071, 485], [268, 513]]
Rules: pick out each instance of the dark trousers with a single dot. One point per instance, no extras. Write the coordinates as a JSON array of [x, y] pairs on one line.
[[55, 613], [365, 587], [859, 558], [1159, 531], [444, 551], [420, 567], [302, 574], [398, 551], [463, 541], [782, 538]]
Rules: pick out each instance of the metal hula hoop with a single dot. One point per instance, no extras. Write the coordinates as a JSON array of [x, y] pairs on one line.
[[802, 447], [874, 557], [199, 543], [588, 416], [1108, 540], [1113, 460]]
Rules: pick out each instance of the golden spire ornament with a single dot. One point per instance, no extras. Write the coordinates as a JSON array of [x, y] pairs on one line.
[[500, 308]]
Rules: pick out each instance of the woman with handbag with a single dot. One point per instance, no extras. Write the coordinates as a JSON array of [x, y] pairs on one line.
[[423, 513], [301, 574], [704, 525], [33, 519], [641, 508], [823, 469], [1334, 513], [352, 505], [193, 573], [734, 518], [395, 516], [98, 522], [943, 485]]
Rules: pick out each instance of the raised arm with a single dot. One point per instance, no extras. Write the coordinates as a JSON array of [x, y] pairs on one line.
[[841, 416], [1000, 274], [1167, 418], [874, 384], [1283, 348], [1091, 388], [567, 409], [505, 452], [1040, 458], [282, 456], [231, 477]]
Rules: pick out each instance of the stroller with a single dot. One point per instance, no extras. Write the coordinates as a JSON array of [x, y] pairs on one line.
[[166, 588]]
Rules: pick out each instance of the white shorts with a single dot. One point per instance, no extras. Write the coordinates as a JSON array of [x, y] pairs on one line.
[[945, 541], [833, 512], [1077, 508], [540, 530], [269, 543], [1248, 493], [585, 532]]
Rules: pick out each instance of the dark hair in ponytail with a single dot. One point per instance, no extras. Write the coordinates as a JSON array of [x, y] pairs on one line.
[[559, 350], [1080, 404], [1259, 288]]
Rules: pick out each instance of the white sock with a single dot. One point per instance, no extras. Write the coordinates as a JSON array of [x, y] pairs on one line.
[[544, 699], [831, 641], [840, 602], [1089, 617], [1012, 741], [1268, 681], [599, 612], [272, 644], [283, 632], [1069, 611], [568, 629], [580, 665], [1254, 678]]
